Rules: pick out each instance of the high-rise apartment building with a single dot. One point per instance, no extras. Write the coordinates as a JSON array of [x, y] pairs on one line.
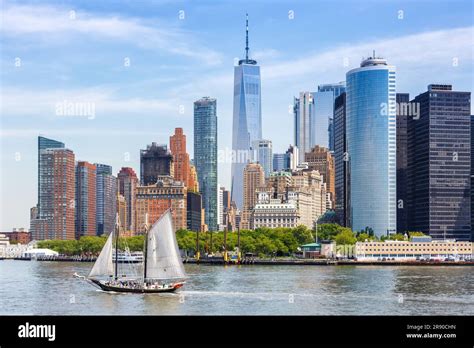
[[205, 156], [86, 200], [56, 214], [121, 204], [156, 199], [155, 160], [247, 118], [45, 143], [322, 160], [106, 199], [371, 145], [127, 186], [254, 177], [439, 164], [182, 165]]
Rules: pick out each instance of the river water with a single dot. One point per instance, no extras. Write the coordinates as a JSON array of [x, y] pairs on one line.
[[48, 288]]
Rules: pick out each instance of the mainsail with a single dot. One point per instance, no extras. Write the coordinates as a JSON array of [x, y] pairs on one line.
[[103, 265], [162, 258]]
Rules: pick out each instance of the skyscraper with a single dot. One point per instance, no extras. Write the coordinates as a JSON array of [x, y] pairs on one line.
[[402, 147], [182, 165], [45, 143], [327, 94], [472, 178], [264, 155], [292, 158], [86, 201], [127, 186], [371, 145], [304, 132], [279, 162], [254, 177], [106, 198], [439, 164], [155, 161], [122, 214], [220, 207], [341, 161], [56, 216], [322, 160], [247, 118], [193, 211], [205, 156], [156, 199]]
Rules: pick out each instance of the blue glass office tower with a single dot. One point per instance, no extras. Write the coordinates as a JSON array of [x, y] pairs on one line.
[[247, 119], [205, 156], [279, 160], [329, 92], [371, 145]]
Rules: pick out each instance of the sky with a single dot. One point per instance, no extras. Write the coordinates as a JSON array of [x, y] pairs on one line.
[[137, 67]]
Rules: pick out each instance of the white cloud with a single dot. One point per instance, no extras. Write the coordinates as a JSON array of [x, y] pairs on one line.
[[20, 102], [429, 50], [54, 22]]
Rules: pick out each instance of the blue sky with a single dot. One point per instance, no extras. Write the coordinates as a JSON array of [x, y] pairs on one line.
[[175, 61]]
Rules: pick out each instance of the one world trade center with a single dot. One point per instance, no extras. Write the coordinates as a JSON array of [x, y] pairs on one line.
[[247, 119]]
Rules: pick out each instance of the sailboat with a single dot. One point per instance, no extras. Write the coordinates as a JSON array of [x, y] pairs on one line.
[[163, 269]]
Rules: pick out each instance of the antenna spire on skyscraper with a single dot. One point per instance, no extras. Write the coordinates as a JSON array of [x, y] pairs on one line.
[[246, 36], [247, 60]]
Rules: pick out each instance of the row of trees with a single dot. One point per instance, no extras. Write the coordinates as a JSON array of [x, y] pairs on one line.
[[262, 241], [344, 235]]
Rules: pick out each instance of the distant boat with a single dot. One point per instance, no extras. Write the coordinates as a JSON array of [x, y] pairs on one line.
[[163, 269], [129, 257]]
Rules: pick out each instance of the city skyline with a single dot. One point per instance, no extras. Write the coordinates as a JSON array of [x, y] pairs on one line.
[[29, 108]]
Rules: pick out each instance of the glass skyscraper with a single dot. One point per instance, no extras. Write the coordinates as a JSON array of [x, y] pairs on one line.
[[247, 119], [205, 156], [279, 161], [264, 155], [304, 124], [106, 199], [329, 92], [45, 143], [439, 164], [341, 161], [371, 146]]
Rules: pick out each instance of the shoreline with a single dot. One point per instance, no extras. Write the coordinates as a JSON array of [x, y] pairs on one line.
[[268, 262]]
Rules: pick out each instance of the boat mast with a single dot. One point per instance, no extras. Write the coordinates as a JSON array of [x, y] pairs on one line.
[[117, 227], [146, 246]]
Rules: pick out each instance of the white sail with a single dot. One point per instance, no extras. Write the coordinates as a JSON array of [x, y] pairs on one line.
[[103, 265], [163, 260]]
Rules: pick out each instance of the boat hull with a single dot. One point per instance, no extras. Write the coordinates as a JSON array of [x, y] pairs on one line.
[[111, 288]]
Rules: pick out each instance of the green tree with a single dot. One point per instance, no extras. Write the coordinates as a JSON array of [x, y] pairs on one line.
[[345, 237]]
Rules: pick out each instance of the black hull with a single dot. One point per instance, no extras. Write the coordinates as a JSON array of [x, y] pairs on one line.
[[109, 288]]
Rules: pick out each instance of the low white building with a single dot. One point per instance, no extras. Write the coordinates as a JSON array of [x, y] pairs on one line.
[[33, 253], [4, 244], [417, 249]]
